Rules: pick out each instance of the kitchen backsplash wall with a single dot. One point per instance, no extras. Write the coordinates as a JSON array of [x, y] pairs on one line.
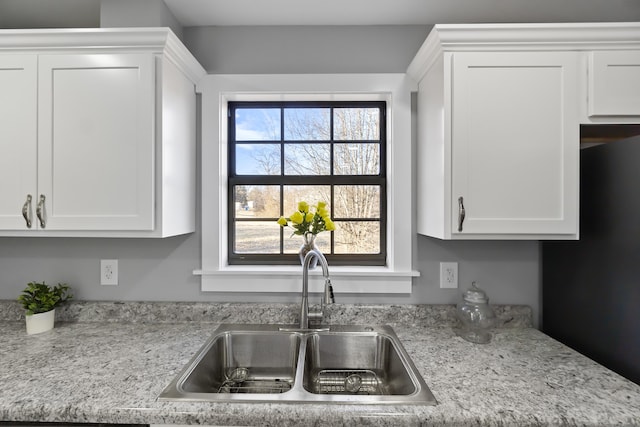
[[161, 270]]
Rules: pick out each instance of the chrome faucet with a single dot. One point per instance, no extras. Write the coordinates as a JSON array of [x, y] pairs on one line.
[[327, 298]]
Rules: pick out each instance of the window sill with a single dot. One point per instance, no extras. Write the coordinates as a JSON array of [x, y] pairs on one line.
[[285, 279]]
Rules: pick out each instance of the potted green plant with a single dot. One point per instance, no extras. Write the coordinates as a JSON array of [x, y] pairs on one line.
[[40, 300]]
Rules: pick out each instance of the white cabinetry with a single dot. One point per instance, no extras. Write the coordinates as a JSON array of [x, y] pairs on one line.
[[614, 84], [499, 113], [100, 131], [498, 140], [95, 141], [514, 143], [18, 137]]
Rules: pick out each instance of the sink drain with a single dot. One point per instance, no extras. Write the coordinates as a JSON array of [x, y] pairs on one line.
[[238, 375], [353, 383]]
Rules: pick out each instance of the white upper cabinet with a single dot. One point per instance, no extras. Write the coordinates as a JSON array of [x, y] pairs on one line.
[[499, 113], [18, 139], [614, 84], [100, 130], [95, 144], [514, 151]]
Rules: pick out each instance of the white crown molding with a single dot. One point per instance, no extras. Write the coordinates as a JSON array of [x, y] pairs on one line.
[[102, 40], [426, 56], [183, 58], [523, 37]]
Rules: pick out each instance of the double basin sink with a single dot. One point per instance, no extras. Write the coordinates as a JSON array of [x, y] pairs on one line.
[[276, 363]]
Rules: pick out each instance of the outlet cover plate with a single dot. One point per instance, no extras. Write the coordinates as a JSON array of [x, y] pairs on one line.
[[449, 275], [109, 272]]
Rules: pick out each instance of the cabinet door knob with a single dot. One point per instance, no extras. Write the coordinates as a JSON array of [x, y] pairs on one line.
[[40, 211], [26, 211], [461, 213]]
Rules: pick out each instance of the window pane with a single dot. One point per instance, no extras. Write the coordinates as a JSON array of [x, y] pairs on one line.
[[286, 152], [358, 237], [306, 124], [257, 201], [307, 159], [357, 201], [292, 243], [356, 159], [257, 237], [258, 159], [257, 124], [312, 194], [356, 124]]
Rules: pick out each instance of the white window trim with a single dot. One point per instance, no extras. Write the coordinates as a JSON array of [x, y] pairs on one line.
[[217, 90]]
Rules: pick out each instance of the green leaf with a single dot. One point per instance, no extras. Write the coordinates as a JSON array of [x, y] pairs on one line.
[[40, 298]]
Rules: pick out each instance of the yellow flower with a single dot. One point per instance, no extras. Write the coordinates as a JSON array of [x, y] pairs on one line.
[[303, 206], [297, 218], [309, 219]]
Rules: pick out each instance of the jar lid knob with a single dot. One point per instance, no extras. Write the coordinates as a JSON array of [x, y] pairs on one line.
[[475, 295]]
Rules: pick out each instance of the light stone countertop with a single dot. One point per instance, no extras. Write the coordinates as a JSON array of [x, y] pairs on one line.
[[111, 370]]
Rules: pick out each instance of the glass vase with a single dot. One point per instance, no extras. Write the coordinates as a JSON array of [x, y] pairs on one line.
[[308, 245]]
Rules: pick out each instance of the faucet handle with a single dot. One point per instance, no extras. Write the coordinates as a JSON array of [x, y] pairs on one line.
[[315, 317]]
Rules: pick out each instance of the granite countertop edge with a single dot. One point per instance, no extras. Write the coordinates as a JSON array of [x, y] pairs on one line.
[[508, 316], [109, 371]]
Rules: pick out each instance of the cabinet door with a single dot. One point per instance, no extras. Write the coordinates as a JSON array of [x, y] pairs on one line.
[[18, 126], [614, 83], [515, 143], [96, 141]]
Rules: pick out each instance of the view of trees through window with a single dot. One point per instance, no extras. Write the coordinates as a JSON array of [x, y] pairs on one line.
[[282, 153]]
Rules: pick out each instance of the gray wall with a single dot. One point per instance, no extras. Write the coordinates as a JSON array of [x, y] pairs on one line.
[[18, 14], [305, 49], [162, 269], [138, 13]]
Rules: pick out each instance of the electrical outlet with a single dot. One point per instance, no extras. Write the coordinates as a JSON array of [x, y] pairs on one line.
[[449, 275], [109, 272]]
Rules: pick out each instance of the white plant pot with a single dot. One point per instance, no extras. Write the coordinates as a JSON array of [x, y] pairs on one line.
[[40, 322]]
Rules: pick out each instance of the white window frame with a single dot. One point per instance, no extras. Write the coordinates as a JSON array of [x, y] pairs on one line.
[[217, 90]]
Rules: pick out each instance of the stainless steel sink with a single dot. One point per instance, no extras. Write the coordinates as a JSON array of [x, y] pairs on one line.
[[355, 363], [278, 363], [243, 361]]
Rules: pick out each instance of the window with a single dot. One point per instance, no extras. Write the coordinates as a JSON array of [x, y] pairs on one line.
[[217, 273], [284, 152]]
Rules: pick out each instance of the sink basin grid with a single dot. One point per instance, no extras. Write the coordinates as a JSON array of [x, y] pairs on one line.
[[281, 363]]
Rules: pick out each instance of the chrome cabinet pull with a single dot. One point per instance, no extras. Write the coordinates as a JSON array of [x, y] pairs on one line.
[[26, 211], [461, 213], [40, 211]]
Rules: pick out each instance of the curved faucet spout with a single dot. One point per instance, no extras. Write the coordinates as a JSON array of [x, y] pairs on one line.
[[305, 316]]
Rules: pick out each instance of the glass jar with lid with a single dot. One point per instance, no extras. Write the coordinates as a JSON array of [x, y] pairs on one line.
[[476, 316]]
